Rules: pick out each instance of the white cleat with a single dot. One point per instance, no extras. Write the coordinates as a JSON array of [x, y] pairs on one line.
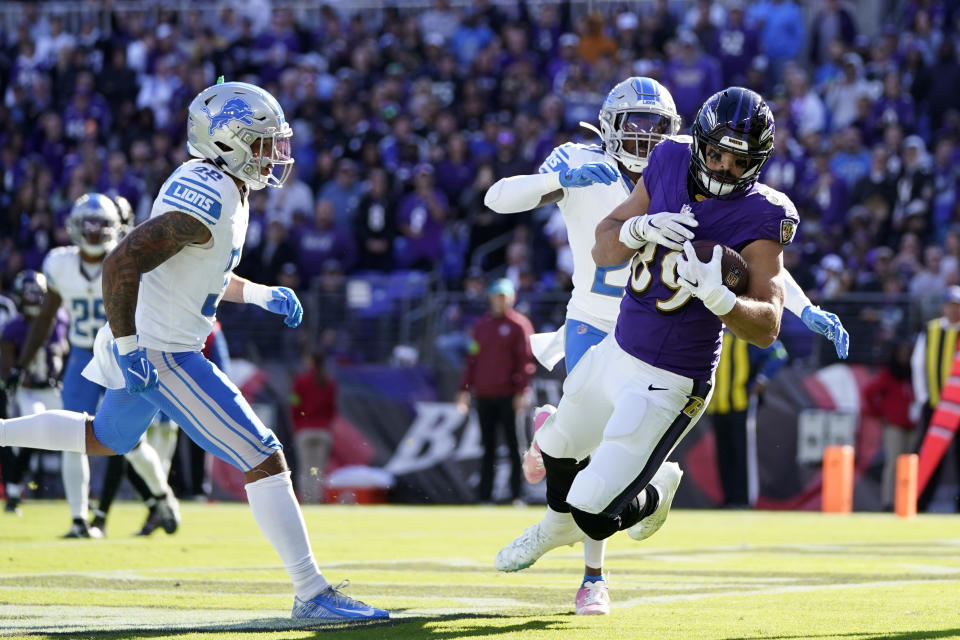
[[533, 543], [666, 481]]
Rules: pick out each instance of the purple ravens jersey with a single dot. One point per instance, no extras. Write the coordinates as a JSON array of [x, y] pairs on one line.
[[47, 364], [660, 322]]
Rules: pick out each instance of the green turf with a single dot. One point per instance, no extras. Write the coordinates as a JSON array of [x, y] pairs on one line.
[[706, 574]]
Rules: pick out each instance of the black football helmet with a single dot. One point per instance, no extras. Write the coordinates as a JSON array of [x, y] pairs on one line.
[[28, 291], [738, 121]]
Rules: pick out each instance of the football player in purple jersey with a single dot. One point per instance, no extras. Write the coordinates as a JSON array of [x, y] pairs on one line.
[[637, 393]]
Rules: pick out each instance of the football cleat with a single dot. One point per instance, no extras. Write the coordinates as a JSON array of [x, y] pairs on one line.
[[168, 513], [593, 599], [151, 523], [532, 464], [332, 605], [666, 481], [99, 525], [13, 506], [533, 543], [79, 529]]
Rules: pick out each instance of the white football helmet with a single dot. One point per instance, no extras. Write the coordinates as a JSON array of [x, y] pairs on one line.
[[636, 115], [241, 128], [94, 224]]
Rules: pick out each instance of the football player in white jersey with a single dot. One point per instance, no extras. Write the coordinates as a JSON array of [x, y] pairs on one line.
[[74, 283], [162, 286], [587, 182]]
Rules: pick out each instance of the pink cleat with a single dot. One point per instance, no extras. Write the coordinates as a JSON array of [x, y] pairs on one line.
[[533, 469], [593, 599]]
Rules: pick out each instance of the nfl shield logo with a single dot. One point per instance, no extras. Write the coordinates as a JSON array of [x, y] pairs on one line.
[[787, 229]]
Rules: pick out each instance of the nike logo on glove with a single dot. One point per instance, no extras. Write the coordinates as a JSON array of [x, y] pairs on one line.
[[143, 364], [653, 388]]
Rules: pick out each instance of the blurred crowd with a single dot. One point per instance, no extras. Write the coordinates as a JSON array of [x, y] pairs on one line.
[[402, 118]]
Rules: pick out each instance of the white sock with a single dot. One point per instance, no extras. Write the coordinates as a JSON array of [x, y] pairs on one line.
[[145, 461], [75, 469], [556, 520], [14, 490], [593, 551], [54, 430], [162, 436], [278, 515]]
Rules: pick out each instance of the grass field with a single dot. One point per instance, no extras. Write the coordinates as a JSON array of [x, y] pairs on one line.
[[706, 574]]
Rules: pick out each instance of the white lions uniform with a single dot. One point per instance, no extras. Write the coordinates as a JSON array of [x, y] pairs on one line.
[[176, 310], [597, 291]]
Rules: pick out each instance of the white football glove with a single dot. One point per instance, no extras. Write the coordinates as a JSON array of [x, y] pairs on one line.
[[668, 229], [704, 280]]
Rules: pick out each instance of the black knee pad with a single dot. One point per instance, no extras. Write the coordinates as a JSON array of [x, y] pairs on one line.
[[560, 473], [596, 525]]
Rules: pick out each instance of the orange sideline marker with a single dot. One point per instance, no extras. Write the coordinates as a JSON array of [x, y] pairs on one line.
[[905, 502], [838, 479]]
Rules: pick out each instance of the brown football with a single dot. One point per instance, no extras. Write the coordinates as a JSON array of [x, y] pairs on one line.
[[736, 276]]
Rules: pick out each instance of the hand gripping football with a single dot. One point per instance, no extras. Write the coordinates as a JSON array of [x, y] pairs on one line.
[[736, 276]]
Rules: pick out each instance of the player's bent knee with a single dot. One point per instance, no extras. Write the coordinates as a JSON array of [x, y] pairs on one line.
[[114, 440], [552, 441], [589, 492], [597, 526]]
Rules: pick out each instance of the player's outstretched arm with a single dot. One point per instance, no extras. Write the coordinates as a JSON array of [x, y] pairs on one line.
[[145, 248], [281, 300], [816, 319], [40, 328], [523, 193]]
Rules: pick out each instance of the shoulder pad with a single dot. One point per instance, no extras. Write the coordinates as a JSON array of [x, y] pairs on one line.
[[195, 188]]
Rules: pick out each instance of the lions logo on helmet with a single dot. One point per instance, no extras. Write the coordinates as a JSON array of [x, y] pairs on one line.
[[636, 115], [94, 224], [28, 291], [737, 121], [241, 129]]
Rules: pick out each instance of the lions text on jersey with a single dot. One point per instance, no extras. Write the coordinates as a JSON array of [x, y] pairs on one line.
[[178, 300], [596, 290]]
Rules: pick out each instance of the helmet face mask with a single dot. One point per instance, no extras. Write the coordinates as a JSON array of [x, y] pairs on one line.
[[94, 224], [242, 130], [735, 121], [636, 115]]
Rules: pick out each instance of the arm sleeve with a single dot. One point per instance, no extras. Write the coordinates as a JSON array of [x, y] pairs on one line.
[[795, 300], [919, 377], [520, 193]]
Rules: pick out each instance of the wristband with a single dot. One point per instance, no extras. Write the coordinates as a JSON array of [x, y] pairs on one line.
[[258, 294], [627, 235], [126, 344], [721, 301]]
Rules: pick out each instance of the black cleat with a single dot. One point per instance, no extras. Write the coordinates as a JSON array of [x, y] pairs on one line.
[[151, 523], [79, 529], [98, 527], [13, 507]]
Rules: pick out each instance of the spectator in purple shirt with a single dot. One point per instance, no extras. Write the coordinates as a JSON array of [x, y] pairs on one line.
[[691, 75], [893, 105], [322, 241], [119, 179], [457, 170], [736, 46], [421, 220], [343, 192]]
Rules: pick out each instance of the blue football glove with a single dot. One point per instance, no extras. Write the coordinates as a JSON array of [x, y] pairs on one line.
[[587, 174], [285, 303], [829, 326], [139, 374]]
